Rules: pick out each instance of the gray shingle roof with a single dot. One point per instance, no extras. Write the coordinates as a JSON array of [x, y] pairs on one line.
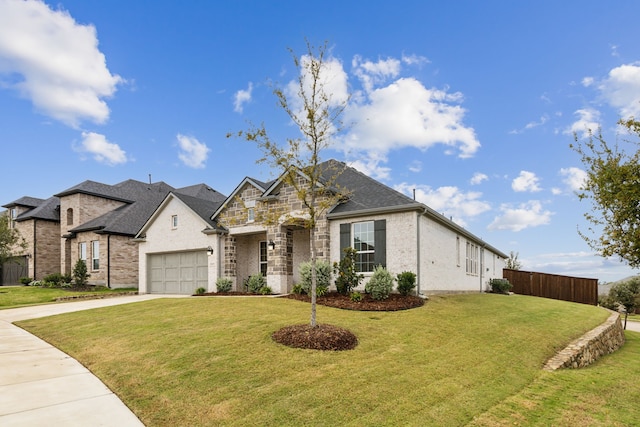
[[204, 208], [142, 200], [29, 202]]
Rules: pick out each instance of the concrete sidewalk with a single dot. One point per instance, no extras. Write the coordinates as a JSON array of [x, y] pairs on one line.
[[42, 386]]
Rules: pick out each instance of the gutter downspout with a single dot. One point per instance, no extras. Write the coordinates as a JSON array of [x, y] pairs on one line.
[[35, 251], [418, 215], [481, 265], [109, 261]]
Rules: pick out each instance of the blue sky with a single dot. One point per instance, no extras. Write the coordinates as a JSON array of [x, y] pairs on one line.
[[472, 104]]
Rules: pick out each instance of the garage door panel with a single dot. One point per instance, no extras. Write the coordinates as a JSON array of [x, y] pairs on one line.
[[177, 273]]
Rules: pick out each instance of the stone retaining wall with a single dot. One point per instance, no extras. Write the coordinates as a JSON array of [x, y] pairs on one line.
[[604, 339]]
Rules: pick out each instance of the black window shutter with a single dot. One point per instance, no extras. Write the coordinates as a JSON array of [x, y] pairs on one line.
[[345, 238], [380, 241]]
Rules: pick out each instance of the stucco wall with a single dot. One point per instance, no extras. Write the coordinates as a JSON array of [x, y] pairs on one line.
[[161, 237]]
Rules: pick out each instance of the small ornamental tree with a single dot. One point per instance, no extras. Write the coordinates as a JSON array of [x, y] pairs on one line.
[[10, 239], [347, 278], [80, 275], [314, 107]]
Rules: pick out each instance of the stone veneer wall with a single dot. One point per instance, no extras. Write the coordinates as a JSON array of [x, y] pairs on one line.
[[605, 339]]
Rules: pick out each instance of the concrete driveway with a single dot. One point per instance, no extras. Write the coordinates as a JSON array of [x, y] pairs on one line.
[[631, 325], [42, 386]]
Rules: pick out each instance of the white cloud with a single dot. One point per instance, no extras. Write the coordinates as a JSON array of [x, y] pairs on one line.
[[102, 150], [414, 59], [588, 121], [526, 181], [517, 218], [621, 89], [54, 62], [415, 166], [241, 97], [371, 167], [193, 153], [478, 178], [406, 114], [332, 84], [587, 81], [449, 201], [574, 177], [374, 73]]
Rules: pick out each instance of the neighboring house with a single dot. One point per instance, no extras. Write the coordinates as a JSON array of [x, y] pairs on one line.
[[386, 228], [94, 222], [38, 222]]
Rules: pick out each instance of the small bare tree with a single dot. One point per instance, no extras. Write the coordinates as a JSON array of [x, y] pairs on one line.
[[317, 114]]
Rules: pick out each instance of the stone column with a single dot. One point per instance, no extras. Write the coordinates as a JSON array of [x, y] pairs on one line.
[[230, 260], [280, 259]]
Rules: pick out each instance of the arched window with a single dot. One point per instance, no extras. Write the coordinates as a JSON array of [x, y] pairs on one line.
[[69, 216]]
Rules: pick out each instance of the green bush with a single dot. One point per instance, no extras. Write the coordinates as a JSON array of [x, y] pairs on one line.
[[323, 277], [265, 290], [380, 284], [500, 286], [347, 278], [55, 280], [201, 291], [223, 284], [80, 275], [356, 296], [625, 294], [255, 282], [406, 282], [297, 289], [25, 280]]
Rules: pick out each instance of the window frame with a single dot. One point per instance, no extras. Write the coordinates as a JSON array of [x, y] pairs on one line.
[[174, 222], [370, 254], [82, 251], [263, 257], [95, 255]]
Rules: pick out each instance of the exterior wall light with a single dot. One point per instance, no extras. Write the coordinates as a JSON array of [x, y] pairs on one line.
[[209, 251], [271, 245]]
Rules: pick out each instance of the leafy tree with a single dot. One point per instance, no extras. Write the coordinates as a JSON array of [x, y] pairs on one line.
[[613, 186], [10, 239], [512, 262], [316, 112], [627, 294]]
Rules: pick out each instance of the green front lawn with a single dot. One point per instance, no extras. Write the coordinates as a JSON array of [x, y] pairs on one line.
[[211, 361], [19, 296]]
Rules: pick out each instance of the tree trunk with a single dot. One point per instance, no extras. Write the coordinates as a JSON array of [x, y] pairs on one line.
[[314, 275]]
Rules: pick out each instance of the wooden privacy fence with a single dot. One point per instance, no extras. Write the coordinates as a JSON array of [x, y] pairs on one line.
[[566, 288]]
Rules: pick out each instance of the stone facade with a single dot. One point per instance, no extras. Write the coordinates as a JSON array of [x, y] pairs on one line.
[[280, 219], [603, 340]]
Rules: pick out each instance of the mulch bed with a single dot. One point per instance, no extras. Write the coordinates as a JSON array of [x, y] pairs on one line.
[[395, 302], [321, 337]]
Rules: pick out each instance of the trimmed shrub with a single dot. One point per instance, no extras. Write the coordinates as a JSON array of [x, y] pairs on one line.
[[255, 283], [323, 277], [54, 280], [223, 284], [380, 284], [80, 275], [25, 280], [406, 282], [356, 296], [347, 278], [200, 291], [265, 290], [500, 286], [297, 289]]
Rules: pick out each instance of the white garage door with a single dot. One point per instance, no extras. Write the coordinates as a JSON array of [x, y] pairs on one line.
[[177, 273]]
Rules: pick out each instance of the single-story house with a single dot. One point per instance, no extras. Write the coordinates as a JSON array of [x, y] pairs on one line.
[[259, 228]]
